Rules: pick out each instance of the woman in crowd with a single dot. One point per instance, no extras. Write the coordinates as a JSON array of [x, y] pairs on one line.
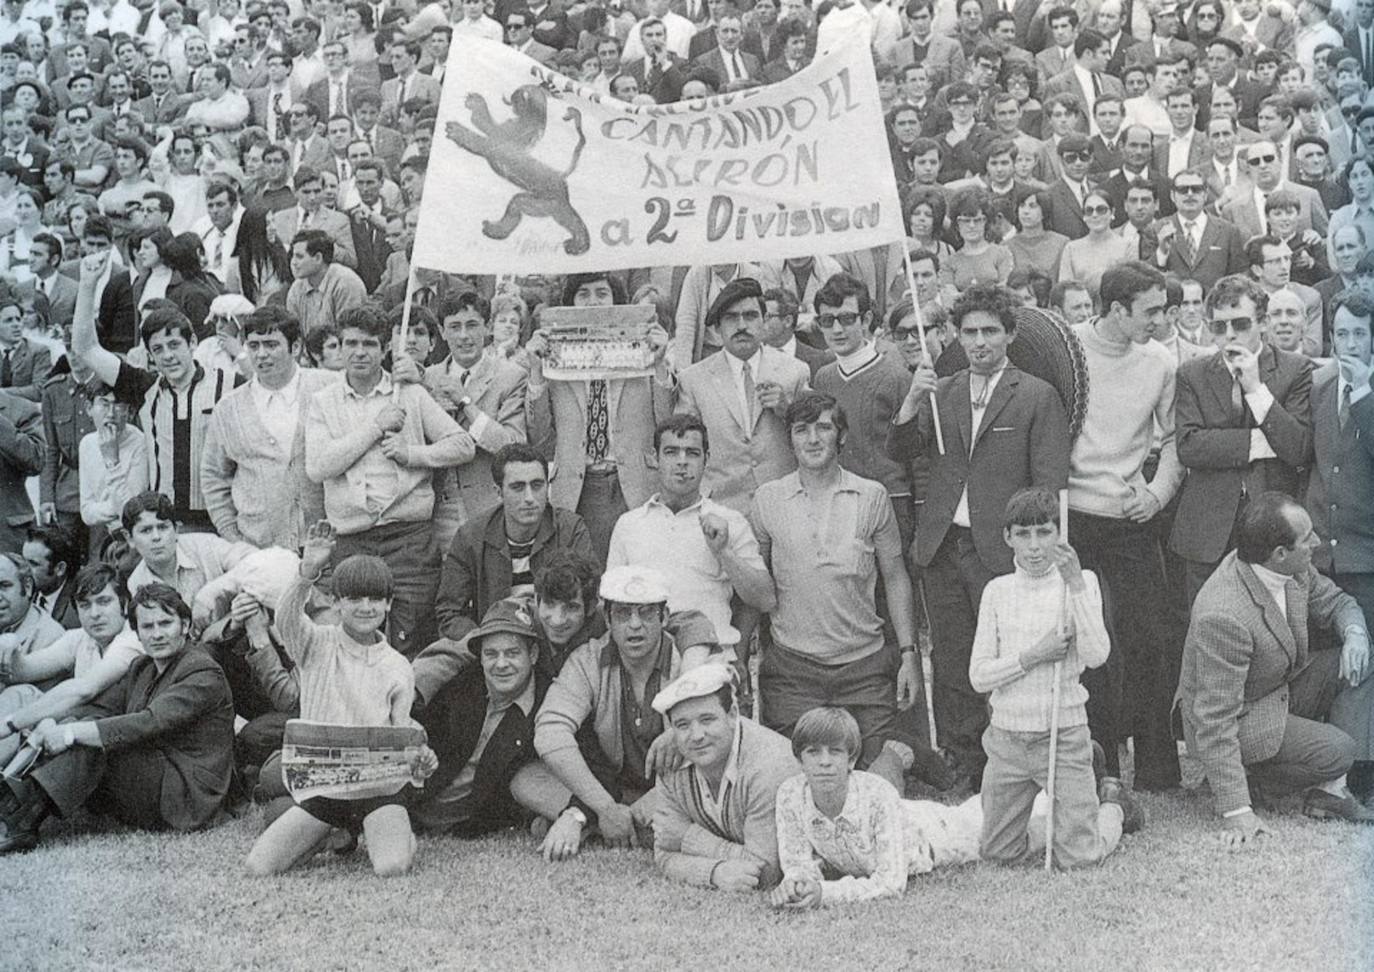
[[1034, 247], [260, 268], [192, 289], [154, 275], [925, 221], [1087, 258], [979, 260], [14, 245]]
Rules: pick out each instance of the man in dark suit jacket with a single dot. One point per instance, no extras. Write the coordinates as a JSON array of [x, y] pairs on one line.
[[471, 793], [322, 90], [24, 364], [116, 321], [1091, 50], [155, 750], [744, 69], [1342, 477], [21, 456], [1003, 430], [780, 329], [54, 558], [1243, 427], [662, 80], [1223, 61], [59, 289], [1067, 192], [1219, 250], [1259, 706]]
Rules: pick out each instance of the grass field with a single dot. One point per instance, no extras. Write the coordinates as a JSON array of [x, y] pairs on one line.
[[1171, 898]]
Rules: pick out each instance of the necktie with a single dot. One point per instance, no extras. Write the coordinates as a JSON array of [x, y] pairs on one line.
[[1263, 207], [598, 421], [7, 373], [749, 394], [305, 221], [343, 170], [1368, 53], [219, 250], [367, 137], [1342, 413], [738, 66], [1188, 244], [280, 116], [340, 105], [1237, 396], [1097, 86], [1225, 174]]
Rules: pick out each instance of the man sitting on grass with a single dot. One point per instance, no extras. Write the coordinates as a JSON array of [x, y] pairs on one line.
[[155, 750], [714, 820], [89, 660]]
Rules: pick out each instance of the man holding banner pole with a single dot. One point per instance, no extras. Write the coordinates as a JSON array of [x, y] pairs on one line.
[[1005, 431]]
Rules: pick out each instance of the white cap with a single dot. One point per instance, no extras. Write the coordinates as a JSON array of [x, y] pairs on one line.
[[634, 585], [696, 683]]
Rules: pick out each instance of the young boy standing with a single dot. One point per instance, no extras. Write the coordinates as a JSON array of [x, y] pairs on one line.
[[1018, 641]]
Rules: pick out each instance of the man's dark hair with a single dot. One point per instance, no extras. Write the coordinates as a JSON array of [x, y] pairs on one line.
[[270, 318], [1229, 290], [786, 301], [165, 203], [1031, 507], [53, 243], [147, 502], [165, 316], [1087, 40], [1057, 13], [60, 543], [576, 281], [99, 226], [1124, 282], [809, 406], [567, 576], [94, 578], [317, 243], [1264, 525], [991, 298], [468, 300], [679, 424], [421, 319], [305, 175], [1355, 301], [838, 289], [515, 452], [1254, 248], [222, 188], [368, 317]]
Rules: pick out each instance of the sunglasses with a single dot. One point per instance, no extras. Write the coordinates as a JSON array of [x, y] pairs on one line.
[[1189, 189], [1240, 325], [1096, 210], [961, 103], [1350, 111], [1074, 156], [844, 320], [1262, 159], [909, 333]]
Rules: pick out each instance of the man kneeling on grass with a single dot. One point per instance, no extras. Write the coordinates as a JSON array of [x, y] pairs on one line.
[[714, 823], [155, 750]]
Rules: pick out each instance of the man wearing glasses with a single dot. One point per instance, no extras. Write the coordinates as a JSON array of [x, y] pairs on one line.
[[1244, 205], [1068, 192], [1194, 245], [520, 35], [1271, 262], [92, 158], [1243, 424]]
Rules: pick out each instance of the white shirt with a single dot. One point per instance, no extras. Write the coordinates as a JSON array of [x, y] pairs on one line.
[[961, 517], [1260, 197], [673, 543], [279, 410], [1227, 172], [1180, 146], [1276, 584], [219, 243], [737, 373], [1085, 81]]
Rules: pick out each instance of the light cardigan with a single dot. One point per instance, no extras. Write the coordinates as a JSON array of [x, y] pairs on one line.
[[249, 493], [1017, 611], [688, 844]]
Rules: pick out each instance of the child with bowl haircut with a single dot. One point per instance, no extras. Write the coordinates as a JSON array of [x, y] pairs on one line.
[[1018, 641], [847, 835], [349, 675]]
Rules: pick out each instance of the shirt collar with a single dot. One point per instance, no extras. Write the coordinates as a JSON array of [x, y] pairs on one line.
[[737, 366], [382, 387], [1275, 583], [524, 701], [288, 392]]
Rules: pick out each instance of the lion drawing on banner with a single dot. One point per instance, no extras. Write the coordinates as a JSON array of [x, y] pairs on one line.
[[507, 148]]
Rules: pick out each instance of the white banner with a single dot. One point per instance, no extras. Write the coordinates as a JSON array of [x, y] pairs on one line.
[[531, 172]]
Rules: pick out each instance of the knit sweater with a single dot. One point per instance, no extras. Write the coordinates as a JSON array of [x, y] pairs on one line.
[[1017, 611], [343, 682], [1131, 395], [870, 397]]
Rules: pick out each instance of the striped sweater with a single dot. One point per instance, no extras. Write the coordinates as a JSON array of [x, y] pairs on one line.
[[1017, 611]]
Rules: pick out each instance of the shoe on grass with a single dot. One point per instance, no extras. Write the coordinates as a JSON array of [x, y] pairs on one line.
[[17, 840], [1320, 805], [1112, 790]]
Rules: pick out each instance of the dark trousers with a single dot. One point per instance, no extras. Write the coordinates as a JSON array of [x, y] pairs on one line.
[[600, 505], [1131, 695], [126, 785], [953, 585], [409, 550], [1328, 728], [913, 724], [793, 683]]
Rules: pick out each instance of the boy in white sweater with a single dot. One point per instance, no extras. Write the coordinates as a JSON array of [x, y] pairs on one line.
[[1015, 649]]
